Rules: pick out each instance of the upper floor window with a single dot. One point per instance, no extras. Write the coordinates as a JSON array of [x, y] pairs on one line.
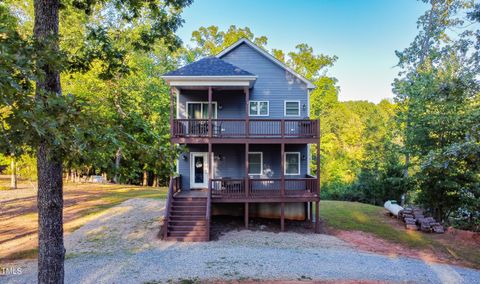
[[292, 108], [258, 108], [199, 110], [292, 163], [255, 163]]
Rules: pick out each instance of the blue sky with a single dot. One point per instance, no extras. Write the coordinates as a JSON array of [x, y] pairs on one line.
[[363, 34]]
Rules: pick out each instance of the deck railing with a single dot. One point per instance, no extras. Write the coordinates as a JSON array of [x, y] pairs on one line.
[[174, 186], [237, 128], [262, 188]]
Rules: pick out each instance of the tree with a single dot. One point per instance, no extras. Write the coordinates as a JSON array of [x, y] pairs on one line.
[[438, 95], [50, 121]]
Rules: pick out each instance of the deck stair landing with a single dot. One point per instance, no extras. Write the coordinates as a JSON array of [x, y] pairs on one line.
[[187, 220]]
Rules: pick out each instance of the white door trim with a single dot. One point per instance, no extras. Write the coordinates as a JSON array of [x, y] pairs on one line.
[[205, 170]]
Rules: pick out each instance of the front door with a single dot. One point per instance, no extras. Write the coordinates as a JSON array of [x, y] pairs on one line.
[[198, 170]]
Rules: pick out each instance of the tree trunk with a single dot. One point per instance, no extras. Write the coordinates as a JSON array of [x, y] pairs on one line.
[[51, 252], [14, 175], [145, 178], [118, 159]]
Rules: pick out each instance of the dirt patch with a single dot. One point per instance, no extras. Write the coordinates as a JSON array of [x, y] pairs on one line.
[[463, 236], [223, 224]]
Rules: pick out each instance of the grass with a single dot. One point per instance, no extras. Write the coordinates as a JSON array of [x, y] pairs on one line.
[[83, 203], [354, 216]]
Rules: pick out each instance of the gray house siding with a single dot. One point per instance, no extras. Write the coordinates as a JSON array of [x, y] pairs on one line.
[[273, 84], [229, 161]]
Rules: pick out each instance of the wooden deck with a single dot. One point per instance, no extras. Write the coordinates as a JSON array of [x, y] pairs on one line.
[[188, 130]]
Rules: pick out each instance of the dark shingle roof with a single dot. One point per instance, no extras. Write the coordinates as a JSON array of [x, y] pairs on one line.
[[209, 66]]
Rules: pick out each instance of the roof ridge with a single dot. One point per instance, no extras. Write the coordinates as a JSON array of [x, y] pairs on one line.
[[209, 66]]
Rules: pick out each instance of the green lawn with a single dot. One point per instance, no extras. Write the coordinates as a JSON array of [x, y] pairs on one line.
[[368, 218], [354, 216]]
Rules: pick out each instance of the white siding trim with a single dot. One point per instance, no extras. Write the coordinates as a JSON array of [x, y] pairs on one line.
[[285, 108], [285, 165]]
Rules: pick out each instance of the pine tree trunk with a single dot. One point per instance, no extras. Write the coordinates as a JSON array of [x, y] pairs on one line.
[[14, 175], [51, 251]]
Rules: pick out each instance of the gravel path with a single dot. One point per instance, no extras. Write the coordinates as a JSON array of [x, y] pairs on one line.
[[121, 247]]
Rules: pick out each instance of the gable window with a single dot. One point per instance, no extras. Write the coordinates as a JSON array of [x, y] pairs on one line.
[[292, 163], [255, 163], [292, 108], [258, 108]]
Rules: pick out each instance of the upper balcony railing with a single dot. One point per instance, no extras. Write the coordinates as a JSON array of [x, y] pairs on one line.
[[239, 128]]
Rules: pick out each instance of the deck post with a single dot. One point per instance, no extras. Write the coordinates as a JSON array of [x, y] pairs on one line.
[[210, 111], [317, 204], [282, 170], [246, 215], [172, 104], [246, 186], [210, 161], [247, 108], [318, 169], [282, 216]]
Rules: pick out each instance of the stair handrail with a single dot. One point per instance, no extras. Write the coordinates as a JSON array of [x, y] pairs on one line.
[[166, 214], [209, 207]]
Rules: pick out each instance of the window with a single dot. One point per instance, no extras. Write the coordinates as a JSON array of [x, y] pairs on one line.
[[258, 108], [292, 163], [255, 163], [292, 108], [199, 110]]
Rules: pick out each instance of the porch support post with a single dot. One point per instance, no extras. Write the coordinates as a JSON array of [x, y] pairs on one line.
[[246, 215], [210, 162], [210, 111], [282, 216], [318, 169], [246, 186], [247, 107], [317, 204], [172, 104], [282, 170]]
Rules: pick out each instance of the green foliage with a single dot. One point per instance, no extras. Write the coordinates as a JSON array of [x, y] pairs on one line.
[[438, 99], [111, 56]]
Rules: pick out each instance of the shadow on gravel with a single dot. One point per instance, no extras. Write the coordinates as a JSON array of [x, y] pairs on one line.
[[223, 224]]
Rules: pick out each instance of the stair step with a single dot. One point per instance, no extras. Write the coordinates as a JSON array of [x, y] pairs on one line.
[[190, 199], [187, 234], [188, 218], [186, 223], [189, 208], [186, 213], [188, 239], [189, 203], [187, 228]]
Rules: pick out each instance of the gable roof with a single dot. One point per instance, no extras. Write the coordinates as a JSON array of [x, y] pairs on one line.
[[209, 66], [309, 84]]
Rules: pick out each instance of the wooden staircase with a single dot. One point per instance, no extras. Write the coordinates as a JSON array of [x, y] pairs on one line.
[[187, 221], [187, 218]]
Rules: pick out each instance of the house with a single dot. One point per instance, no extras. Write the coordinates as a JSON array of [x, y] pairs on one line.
[[244, 119]]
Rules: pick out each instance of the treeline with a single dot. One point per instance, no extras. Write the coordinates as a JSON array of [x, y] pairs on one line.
[[423, 145]]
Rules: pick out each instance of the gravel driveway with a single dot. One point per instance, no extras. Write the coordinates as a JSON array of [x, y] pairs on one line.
[[121, 247]]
